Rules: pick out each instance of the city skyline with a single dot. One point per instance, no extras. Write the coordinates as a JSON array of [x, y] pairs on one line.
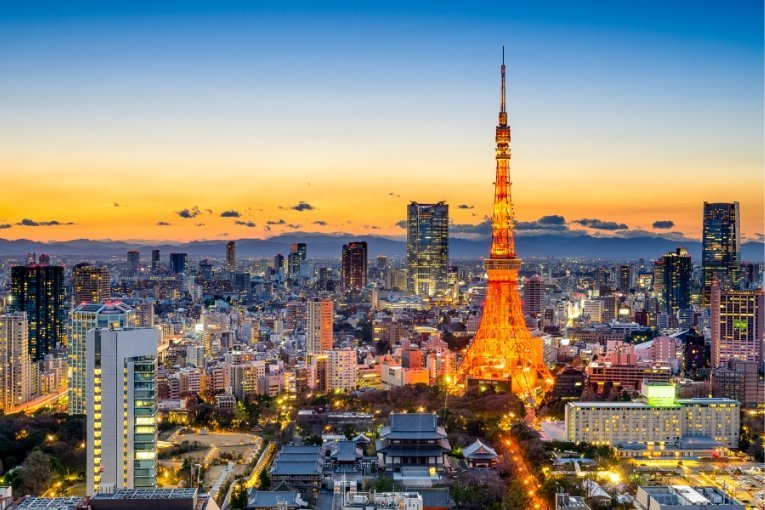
[[248, 122]]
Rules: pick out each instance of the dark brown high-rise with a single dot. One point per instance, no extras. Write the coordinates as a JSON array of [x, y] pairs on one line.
[[355, 265]]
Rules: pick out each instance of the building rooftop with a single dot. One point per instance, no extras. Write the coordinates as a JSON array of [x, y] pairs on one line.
[[32, 503], [478, 450], [148, 493]]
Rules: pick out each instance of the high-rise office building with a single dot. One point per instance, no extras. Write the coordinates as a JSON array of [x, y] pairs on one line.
[[15, 364], [156, 265], [38, 290], [90, 284], [122, 408], [133, 261], [319, 322], [231, 255], [626, 278], [355, 265], [678, 274], [293, 265], [737, 324], [179, 262], [301, 249], [381, 262], [427, 248], [533, 296], [278, 262], [85, 317], [721, 247]]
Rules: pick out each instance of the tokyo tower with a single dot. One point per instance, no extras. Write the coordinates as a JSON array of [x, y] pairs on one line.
[[503, 353]]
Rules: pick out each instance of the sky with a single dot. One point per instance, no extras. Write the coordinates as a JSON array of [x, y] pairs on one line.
[[216, 120]]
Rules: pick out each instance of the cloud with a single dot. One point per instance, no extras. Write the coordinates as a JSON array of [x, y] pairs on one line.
[[26, 222], [465, 206], [320, 222], [163, 224], [663, 224], [294, 225], [246, 223], [5, 225], [189, 213], [601, 224], [276, 222], [402, 224], [267, 228], [200, 224], [230, 214], [552, 222], [302, 206], [754, 237], [116, 204], [395, 195], [479, 229]]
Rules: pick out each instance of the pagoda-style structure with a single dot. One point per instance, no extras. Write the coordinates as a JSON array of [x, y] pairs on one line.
[[503, 353]]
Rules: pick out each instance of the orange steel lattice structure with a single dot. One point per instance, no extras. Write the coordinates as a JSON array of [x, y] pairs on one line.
[[503, 353]]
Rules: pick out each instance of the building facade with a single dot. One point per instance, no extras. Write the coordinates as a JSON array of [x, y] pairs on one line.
[[737, 323], [319, 323], [661, 422], [122, 400], [427, 248], [678, 274], [84, 318], [15, 363], [721, 247], [354, 264], [38, 290], [179, 262], [90, 284]]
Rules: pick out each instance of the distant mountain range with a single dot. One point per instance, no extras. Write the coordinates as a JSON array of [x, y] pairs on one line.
[[329, 246]]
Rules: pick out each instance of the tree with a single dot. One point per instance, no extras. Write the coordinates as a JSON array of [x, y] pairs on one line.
[[264, 481], [517, 497], [238, 496], [35, 473]]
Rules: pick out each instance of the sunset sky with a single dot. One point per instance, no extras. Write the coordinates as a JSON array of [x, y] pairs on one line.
[[212, 120]]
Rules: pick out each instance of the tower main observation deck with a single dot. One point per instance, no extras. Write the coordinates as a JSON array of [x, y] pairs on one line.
[[503, 352]]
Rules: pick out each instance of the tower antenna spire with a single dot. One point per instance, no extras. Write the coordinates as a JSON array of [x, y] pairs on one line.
[[502, 100]]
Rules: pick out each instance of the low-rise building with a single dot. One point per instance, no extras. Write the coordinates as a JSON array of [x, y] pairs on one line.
[[660, 425], [412, 439], [684, 497]]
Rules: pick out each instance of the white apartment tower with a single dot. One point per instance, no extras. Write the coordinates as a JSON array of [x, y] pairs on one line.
[[15, 363], [111, 314], [122, 408], [342, 366]]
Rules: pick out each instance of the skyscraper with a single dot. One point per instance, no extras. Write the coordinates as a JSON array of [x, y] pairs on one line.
[[155, 261], [38, 290], [503, 353], [85, 317], [301, 249], [737, 324], [721, 247], [133, 261], [533, 296], [15, 364], [90, 284], [122, 408], [231, 255], [319, 322], [354, 265], [179, 262], [678, 273], [427, 248], [625, 278]]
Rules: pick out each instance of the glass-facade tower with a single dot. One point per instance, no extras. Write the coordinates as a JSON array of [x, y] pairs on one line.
[[427, 248], [721, 247]]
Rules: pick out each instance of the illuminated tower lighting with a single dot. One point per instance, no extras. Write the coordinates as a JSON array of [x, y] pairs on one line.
[[503, 353]]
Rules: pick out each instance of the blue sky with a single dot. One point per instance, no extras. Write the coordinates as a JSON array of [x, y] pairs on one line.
[[261, 104]]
